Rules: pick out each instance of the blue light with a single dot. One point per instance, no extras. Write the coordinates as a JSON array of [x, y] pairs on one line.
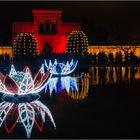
[[57, 84], [61, 68]]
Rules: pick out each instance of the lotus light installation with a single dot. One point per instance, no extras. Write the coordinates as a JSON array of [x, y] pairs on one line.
[[20, 95], [22, 83], [61, 68]]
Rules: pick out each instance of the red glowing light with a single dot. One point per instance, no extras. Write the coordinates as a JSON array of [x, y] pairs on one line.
[[47, 19]]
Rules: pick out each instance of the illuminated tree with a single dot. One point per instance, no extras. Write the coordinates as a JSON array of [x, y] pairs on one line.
[[25, 45], [77, 43]]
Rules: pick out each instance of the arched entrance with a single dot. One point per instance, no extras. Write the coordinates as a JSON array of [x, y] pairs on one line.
[[47, 50]]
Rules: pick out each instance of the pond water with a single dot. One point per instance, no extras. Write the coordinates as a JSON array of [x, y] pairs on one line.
[[93, 102]]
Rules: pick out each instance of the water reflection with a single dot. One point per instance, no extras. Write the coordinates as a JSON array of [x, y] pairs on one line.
[[76, 87], [111, 75], [27, 114], [83, 87], [57, 84]]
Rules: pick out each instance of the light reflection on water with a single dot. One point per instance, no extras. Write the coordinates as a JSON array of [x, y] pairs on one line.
[[27, 114], [77, 87], [113, 75], [57, 84]]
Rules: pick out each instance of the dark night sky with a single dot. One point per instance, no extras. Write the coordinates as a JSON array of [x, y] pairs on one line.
[[106, 22]]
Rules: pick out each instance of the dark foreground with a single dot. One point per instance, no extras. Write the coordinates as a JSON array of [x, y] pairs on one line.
[[108, 111]]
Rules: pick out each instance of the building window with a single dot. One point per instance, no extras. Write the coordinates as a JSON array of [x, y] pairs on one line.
[[41, 28], [47, 27], [53, 29]]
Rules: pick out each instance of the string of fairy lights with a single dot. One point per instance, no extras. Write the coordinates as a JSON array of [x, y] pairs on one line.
[[25, 44], [77, 43]]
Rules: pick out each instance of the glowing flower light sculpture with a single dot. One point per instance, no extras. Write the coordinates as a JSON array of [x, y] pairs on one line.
[[20, 99], [27, 114], [61, 68], [16, 85]]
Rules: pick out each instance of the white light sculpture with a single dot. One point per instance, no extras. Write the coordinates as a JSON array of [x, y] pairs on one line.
[[59, 83], [27, 114], [22, 83], [61, 68]]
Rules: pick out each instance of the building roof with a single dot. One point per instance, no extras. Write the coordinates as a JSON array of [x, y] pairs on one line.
[[44, 11]]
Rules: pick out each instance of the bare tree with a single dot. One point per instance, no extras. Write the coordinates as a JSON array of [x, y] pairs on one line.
[[128, 49]]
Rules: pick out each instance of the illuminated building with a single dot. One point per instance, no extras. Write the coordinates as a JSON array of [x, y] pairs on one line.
[[6, 49], [114, 49], [49, 30], [91, 49], [51, 34]]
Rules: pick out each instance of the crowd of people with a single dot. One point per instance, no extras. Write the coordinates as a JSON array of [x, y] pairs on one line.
[[4, 59], [96, 59], [119, 58]]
